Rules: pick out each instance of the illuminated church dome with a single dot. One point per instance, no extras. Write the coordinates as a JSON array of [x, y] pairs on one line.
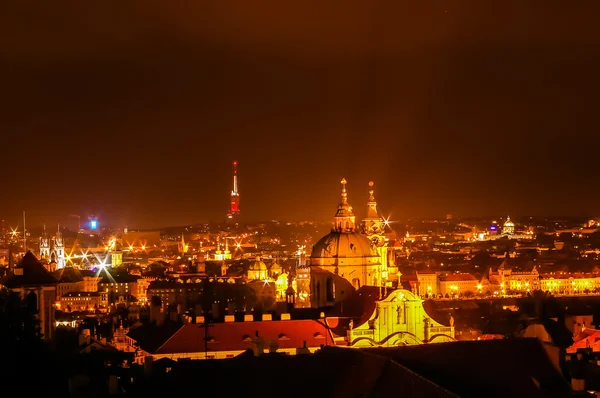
[[257, 270], [509, 227], [345, 251], [344, 240], [343, 244]]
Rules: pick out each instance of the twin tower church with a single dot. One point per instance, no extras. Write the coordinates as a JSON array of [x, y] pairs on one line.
[[52, 250]]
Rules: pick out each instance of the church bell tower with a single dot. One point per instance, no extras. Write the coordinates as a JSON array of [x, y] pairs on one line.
[[44, 246], [59, 249]]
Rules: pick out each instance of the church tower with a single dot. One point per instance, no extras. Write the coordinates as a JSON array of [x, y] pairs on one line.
[[373, 223], [44, 246], [344, 219], [183, 247], [59, 249]]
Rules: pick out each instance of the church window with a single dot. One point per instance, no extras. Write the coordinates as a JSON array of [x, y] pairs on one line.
[[329, 291]]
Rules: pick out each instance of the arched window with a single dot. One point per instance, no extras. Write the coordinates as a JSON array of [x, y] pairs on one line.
[[330, 287]]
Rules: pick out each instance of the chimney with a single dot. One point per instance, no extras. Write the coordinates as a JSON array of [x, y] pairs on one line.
[[302, 350], [259, 345]]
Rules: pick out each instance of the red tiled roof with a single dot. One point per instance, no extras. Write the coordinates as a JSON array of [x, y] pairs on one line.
[[584, 334], [238, 336]]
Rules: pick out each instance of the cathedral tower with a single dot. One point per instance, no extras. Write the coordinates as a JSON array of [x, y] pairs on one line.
[[344, 219], [373, 223], [44, 246], [59, 249]]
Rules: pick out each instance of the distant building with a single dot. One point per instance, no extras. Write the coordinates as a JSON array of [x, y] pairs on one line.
[[52, 251], [509, 227], [258, 270], [80, 301]]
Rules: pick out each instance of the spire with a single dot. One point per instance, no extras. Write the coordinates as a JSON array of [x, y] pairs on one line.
[[344, 192], [373, 223], [371, 197], [344, 220], [234, 209]]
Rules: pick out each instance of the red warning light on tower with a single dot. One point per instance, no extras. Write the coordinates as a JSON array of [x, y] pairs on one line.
[[234, 209]]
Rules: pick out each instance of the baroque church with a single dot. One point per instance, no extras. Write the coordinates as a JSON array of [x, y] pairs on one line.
[[52, 251], [352, 264], [351, 255]]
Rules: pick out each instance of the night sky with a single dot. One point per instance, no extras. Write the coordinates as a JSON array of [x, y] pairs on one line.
[[134, 110]]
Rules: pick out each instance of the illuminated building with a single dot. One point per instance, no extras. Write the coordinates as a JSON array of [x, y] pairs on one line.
[[183, 247], [258, 270], [456, 284], [69, 280], [275, 270], [120, 287], [58, 250], [80, 301], [509, 227], [37, 287], [302, 290], [570, 284], [222, 255], [374, 228], [505, 279], [508, 231], [342, 260], [399, 319], [234, 208], [44, 246], [93, 223], [53, 255], [283, 284], [428, 283]]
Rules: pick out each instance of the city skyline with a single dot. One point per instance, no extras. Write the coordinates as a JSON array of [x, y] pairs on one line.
[[469, 109]]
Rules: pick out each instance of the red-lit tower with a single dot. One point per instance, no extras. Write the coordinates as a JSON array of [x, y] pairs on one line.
[[235, 196]]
